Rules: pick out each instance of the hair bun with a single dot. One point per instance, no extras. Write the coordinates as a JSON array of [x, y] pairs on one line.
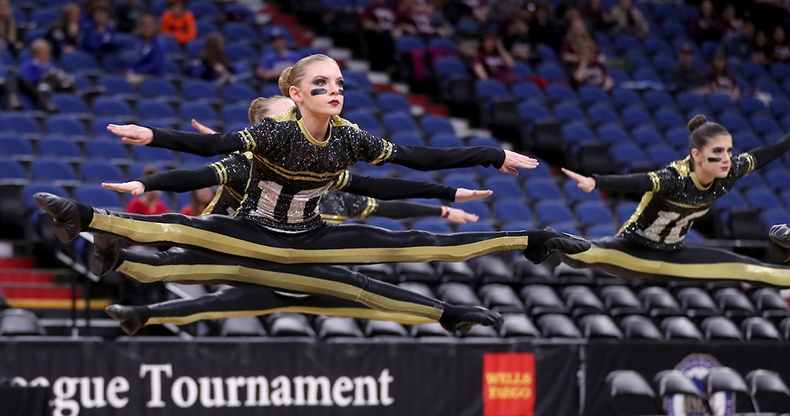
[[696, 122], [284, 82]]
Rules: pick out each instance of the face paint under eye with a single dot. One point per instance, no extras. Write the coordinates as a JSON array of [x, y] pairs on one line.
[[341, 91], [318, 91], [714, 159]]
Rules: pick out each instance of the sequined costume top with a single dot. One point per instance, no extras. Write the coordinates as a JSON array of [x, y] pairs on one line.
[[291, 170], [675, 199]]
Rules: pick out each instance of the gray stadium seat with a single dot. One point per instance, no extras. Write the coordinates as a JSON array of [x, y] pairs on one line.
[[759, 328], [419, 272], [770, 392], [518, 325], [582, 300], [720, 328], [659, 302], [640, 327], [20, 322], [630, 394], [458, 294], [558, 326], [620, 300], [375, 328], [455, 271], [337, 327], [680, 327], [599, 326], [428, 331], [245, 326], [697, 302], [725, 379], [670, 382], [734, 303], [290, 325], [542, 299], [501, 298]]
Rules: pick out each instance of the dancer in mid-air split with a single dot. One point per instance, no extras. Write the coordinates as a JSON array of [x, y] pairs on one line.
[[650, 243], [277, 229]]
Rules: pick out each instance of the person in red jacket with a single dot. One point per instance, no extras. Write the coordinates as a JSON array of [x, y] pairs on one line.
[[178, 21], [149, 203]]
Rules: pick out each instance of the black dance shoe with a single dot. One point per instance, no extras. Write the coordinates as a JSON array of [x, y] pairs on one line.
[[556, 242], [130, 320], [67, 216], [476, 315], [105, 254]]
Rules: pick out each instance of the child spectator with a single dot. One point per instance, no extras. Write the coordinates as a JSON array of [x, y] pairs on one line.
[[280, 57], [65, 35], [588, 70], [149, 203], [493, 60], [178, 22], [99, 37], [214, 64], [38, 77]]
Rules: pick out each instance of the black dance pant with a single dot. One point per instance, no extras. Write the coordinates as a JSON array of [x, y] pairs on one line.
[[382, 300], [334, 244], [625, 258], [255, 300]]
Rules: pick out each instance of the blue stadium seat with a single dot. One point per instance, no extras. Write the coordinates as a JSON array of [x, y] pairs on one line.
[[647, 136], [486, 89], [204, 10], [613, 133], [543, 188], [96, 196], [690, 100], [678, 138], [112, 150], [366, 121], [552, 211], [66, 125], [627, 154], [566, 112], [358, 100], [407, 138], [552, 71], [111, 107], [592, 95], [236, 113], [200, 111], [751, 181], [662, 154], [752, 105], [526, 90], [44, 17], [395, 122], [664, 63], [357, 81], [510, 210], [575, 133], [239, 31], [79, 62], [461, 180], [446, 66], [51, 169], [776, 216], [625, 98], [18, 122], [600, 231], [445, 140], [504, 187], [36, 187], [602, 114], [200, 90], [732, 200], [97, 171], [432, 124], [59, 148], [780, 107], [484, 141], [762, 198], [12, 171], [624, 210], [532, 112], [668, 118], [238, 93], [574, 194], [764, 124], [158, 87], [478, 208], [778, 179], [657, 99], [155, 109], [590, 213], [392, 102], [634, 117], [556, 93], [719, 102], [16, 148], [70, 104], [408, 43]]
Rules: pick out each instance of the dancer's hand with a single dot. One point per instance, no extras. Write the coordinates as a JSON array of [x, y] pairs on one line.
[[464, 195], [585, 183], [201, 128], [132, 133], [459, 216], [515, 161], [136, 188]]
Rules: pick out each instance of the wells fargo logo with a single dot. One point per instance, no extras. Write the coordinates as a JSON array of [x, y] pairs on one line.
[[508, 384]]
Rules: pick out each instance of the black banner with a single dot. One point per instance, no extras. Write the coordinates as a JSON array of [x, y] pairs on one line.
[[650, 357], [239, 377]]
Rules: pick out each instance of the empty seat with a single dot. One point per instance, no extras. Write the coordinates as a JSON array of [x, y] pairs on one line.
[[428, 330], [620, 300], [540, 299], [375, 329], [725, 379], [680, 327], [337, 327], [96, 196], [630, 394], [20, 322], [734, 303], [558, 326], [457, 293], [697, 302], [671, 382], [501, 298], [59, 148], [518, 325], [290, 325], [582, 300], [659, 301], [53, 170], [599, 327], [720, 328], [769, 391], [243, 326], [640, 327]]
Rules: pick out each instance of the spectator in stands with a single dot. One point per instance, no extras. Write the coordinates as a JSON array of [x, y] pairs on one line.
[[543, 28], [720, 78], [200, 200], [705, 26], [65, 35], [517, 41], [378, 24], [150, 203], [127, 15], [685, 76], [276, 60], [629, 19], [588, 70], [420, 19], [10, 36], [576, 38], [595, 16], [178, 21], [214, 64], [493, 60], [780, 48], [729, 21], [149, 51], [99, 33], [38, 76], [762, 48], [740, 43]]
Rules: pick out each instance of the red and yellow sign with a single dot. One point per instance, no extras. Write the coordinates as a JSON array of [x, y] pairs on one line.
[[508, 384]]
